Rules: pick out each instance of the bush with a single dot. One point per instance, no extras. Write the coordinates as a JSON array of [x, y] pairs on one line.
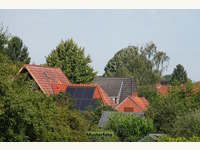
[[188, 125], [179, 139], [129, 127], [94, 115], [164, 110]]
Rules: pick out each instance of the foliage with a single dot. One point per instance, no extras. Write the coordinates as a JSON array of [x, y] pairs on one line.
[[145, 64], [3, 38], [17, 51], [166, 110], [72, 60], [188, 125], [165, 79], [32, 116], [95, 115], [179, 75], [129, 127], [148, 91], [179, 139]]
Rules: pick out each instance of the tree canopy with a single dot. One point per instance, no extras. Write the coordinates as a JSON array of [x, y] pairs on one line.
[[17, 51], [145, 64], [3, 38], [179, 75], [73, 62]]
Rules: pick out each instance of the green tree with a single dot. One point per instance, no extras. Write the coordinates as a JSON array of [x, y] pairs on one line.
[[3, 38], [17, 51], [166, 110], [72, 60], [145, 64], [187, 125], [166, 79], [32, 116], [179, 75], [29, 115]]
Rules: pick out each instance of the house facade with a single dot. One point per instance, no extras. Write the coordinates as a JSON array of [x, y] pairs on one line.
[[133, 103]]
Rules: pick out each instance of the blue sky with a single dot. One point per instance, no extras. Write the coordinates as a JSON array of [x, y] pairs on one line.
[[104, 32]]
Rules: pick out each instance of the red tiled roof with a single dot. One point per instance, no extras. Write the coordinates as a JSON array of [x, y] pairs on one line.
[[105, 98], [139, 104], [50, 80], [163, 89], [99, 94]]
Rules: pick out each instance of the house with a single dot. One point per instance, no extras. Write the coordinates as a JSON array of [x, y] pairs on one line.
[[49, 80], [133, 103], [117, 88], [52, 81], [86, 95]]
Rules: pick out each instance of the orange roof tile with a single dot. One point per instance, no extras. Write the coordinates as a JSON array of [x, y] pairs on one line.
[[105, 98], [50, 80], [139, 104], [163, 89]]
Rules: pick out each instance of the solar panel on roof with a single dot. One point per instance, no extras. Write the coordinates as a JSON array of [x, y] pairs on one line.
[[83, 104], [81, 92], [83, 97]]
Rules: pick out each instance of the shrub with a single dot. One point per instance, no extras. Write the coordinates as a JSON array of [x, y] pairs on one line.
[[179, 139], [26, 115], [188, 125], [129, 127], [164, 110]]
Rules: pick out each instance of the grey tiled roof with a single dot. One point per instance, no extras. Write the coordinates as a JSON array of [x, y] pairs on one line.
[[106, 115], [112, 86]]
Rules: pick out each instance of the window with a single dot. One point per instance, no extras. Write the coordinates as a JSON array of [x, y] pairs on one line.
[[128, 109]]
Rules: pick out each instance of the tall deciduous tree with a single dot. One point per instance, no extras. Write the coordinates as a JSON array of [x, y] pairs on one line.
[[179, 75], [72, 60], [17, 51], [145, 64]]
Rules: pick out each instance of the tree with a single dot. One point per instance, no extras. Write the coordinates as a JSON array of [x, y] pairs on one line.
[[166, 79], [179, 75], [17, 51], [145, 64], [73, 62], [3, 38], [33, 116], [166, 110], [188, 125]]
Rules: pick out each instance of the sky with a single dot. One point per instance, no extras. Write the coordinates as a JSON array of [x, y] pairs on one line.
[[104, 32]]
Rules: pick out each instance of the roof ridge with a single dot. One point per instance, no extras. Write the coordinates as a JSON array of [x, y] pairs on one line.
[[101, 91], [41, 66], [83, 85], [116, 77]]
